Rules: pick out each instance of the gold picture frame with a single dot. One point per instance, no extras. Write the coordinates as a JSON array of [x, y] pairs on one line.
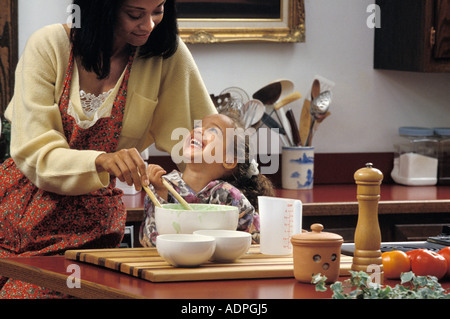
[[289, 27]]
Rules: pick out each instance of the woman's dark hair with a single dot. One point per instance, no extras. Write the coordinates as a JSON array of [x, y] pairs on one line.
[[251, 186], [93, 41]]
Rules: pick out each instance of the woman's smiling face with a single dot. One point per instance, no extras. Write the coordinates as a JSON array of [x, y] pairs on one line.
[[137, 19]]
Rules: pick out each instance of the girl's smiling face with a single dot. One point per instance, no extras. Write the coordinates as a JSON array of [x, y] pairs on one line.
[[137, 19], [206, 143]]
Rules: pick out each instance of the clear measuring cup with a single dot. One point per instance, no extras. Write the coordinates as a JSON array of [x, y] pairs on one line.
[[280, 218]]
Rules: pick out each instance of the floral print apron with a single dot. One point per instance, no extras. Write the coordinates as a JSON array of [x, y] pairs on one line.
[[36, 222]]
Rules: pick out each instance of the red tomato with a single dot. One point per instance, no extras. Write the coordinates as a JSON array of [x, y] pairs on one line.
[[425, 262], [394, 263], [445, 252], [413, 253]]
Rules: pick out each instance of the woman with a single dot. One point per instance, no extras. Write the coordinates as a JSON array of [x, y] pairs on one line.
[[87, 101]]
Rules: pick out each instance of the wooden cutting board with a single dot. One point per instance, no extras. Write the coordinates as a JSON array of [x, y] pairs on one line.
[[145, 263]]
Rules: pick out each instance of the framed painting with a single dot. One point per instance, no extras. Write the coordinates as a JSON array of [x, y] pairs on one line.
[[213, 21], [8, 50]]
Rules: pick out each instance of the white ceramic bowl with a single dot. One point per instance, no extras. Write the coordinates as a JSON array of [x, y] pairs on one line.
[[230, 245], [185, 250], [174, 219]]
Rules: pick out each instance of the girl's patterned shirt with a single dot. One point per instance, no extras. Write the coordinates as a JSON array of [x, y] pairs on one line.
[[216, 192]]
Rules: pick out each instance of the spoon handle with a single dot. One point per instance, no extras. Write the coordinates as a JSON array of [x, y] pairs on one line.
[[308, 140], [294, 128], [152, 196], [176, 195]]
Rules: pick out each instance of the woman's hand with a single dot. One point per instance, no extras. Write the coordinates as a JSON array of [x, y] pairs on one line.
[[127, 165], [154, 174]]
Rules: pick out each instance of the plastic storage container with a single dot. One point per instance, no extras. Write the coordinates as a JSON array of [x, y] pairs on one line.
[[416, 158], [443, 135]]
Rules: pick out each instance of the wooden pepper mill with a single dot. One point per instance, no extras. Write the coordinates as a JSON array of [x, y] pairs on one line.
[[367, 233]]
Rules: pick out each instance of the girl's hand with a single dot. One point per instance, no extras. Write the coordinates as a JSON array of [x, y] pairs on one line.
[[127, 165], [154, 174]]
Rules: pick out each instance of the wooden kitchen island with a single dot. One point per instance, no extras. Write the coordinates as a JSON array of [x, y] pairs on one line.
[[57, 273], [406, 213], [414, 212]]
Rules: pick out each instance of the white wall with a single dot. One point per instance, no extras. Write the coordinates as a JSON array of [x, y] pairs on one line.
[[34, 14], [369, 105]]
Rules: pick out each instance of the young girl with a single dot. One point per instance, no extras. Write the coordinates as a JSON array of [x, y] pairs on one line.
[[236, 182]]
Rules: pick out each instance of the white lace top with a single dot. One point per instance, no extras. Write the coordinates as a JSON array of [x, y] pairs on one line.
[[93, 106], [91, 103]]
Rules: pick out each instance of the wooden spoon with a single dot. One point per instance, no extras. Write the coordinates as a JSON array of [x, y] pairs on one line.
[[315, 89], [305, 116], [176, 195], [152, 196], [305, 121]]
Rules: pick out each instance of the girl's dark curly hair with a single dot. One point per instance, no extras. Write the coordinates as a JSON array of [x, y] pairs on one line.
[[93, 41], [251, 186]]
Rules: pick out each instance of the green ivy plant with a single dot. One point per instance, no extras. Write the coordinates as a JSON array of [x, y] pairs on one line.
[[360, 286], [5, 140]]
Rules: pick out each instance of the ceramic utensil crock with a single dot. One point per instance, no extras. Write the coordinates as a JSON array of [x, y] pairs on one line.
[[316, 252]]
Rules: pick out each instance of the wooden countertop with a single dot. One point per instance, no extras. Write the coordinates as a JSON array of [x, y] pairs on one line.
[[340, 199], [96, 282]]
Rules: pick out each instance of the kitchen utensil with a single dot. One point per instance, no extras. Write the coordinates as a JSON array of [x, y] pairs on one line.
[[284, 123], [294, 96], [316, 252], [185, 250], [285, 101], [174, 218], [305, 121], [180, 199], [230, 245], [270, 94], [294, 128], [152, 196], [297, 167], [319, 108], [305, 115], [316, 125], [238, 96], [272, 124], [253, 112], [221, 101], [321, 104], [315, 89], [280, 218], [325, 84]]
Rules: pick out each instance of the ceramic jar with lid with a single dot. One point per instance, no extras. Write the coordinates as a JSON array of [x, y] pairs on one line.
[[316, 252]]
